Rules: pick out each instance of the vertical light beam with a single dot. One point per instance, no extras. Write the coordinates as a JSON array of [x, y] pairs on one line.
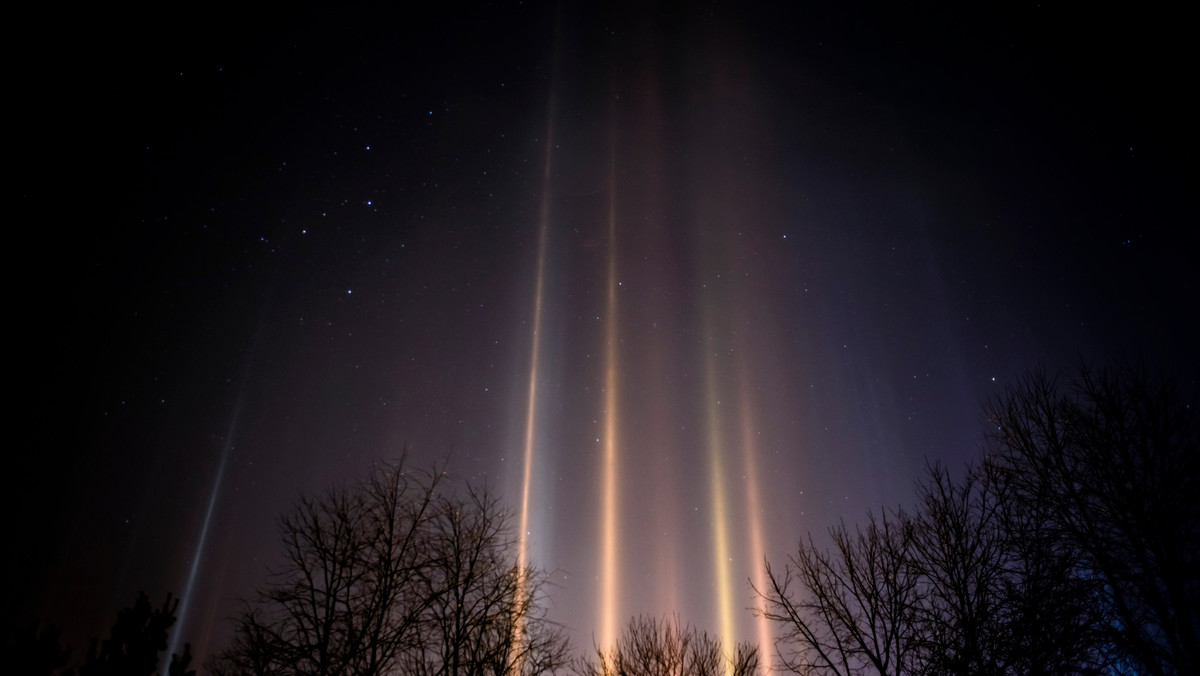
[[534, 358], [608, 591], [754, 509], [202, 540], [205, 528], [516, 651], [719, 521]]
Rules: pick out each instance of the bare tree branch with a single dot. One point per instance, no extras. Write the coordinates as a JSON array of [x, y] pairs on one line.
[[398, 573]]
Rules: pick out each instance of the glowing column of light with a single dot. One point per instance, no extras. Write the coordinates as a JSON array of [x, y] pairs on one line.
[[531, 403], [754, 508], [226, 450], [205, 528], [608, 591], [720, 527]]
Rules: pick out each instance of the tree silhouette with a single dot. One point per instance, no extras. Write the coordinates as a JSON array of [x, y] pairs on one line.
[[1107, 462], [138, 636], [483, 614], [958, 556], [1046, 614], [1074, 548], [397, 573], [993, 603], [855, 609], [652, 647], [946, 589]]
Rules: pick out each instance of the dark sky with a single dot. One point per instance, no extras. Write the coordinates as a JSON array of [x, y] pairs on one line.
[[782, 257]]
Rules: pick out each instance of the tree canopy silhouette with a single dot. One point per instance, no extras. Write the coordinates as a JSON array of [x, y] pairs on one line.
[[399, 573], [653, 647], [135, 640], [138, 636], [1105, 466], [1074, 547]]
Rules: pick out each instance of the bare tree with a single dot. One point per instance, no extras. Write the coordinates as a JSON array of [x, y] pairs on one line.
[[968, 583], [398, 573], [958, 555], [1108, 462], [854, 612], [994, 601], [653, 647], [1046, 617], [485, 616], [342, 601]]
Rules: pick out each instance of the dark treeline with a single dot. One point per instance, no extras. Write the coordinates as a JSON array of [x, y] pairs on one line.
[[138, 635], [1070, 547]]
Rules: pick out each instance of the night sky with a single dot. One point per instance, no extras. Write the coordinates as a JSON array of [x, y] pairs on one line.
[[751, 268]]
